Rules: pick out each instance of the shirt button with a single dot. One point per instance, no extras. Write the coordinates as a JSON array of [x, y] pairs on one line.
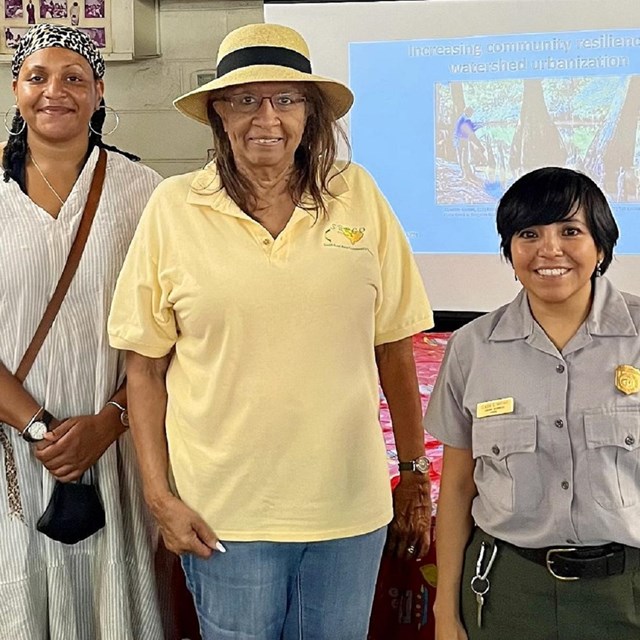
[[560, 368], [570, 541], [559, 423], [495, 449], [629, 440], [266, 241], [564, 484]]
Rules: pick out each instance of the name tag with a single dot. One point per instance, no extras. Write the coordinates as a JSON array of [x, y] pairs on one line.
[[494, 407]]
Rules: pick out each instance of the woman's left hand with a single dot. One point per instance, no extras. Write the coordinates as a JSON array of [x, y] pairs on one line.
[[75, 445], [409, 534]]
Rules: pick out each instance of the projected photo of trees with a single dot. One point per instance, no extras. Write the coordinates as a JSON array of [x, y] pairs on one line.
[[488, 133]]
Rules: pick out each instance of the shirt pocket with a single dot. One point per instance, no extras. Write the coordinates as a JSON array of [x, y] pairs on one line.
[[613, 457], [507, 472]]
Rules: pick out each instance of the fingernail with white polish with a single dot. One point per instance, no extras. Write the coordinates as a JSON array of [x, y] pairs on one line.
[[220, 547]]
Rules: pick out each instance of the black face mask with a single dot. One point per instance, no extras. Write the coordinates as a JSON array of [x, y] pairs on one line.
[[74, 513]]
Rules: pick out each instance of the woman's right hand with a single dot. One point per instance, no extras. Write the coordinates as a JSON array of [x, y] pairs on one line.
[[450, 629], [182, 529]]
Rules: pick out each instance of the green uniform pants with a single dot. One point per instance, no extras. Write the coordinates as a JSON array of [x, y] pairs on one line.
[[525, 602]]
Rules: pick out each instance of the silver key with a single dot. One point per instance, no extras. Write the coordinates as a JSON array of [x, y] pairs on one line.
[[480, 584], [480, 601]]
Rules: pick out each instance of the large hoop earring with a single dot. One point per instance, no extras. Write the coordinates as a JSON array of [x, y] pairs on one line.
[[106, 110], [8, 127]]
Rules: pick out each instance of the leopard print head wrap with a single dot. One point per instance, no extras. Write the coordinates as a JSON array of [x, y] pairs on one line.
[[43, 36]]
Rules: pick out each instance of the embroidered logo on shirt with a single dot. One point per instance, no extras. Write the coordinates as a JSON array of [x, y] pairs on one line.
[[352, 235], [337, 235], [494, 407], [627, 379]]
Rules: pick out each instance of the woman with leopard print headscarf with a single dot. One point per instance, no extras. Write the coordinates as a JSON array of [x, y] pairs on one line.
[[70, 414]]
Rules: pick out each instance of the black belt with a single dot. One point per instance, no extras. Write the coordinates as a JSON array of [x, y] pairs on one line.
[[574, 563]]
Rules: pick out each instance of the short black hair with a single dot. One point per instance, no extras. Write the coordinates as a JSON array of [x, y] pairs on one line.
[[552, 194]]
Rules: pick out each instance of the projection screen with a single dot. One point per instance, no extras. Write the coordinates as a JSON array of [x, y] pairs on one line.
[[455, 99]]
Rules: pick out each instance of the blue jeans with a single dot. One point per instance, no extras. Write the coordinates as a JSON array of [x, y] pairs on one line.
[[287, 590]]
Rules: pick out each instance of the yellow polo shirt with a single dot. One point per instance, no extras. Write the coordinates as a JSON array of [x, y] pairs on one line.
[[272, 418]]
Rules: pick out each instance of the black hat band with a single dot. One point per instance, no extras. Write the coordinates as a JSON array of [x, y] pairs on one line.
[[278, 56]]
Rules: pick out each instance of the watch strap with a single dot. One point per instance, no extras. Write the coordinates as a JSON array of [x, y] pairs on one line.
[[33, 418], [419, 465], [46, 419]]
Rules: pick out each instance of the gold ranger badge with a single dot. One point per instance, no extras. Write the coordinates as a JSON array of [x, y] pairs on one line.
[[627, 379]]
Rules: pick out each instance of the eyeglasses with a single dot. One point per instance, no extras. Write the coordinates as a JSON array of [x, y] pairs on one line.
[[248, 103]]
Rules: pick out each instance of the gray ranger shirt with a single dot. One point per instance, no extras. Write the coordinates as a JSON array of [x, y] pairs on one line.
[[563, 466]]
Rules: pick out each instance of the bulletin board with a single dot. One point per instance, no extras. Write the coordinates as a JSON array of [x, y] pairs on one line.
[[93, 17]]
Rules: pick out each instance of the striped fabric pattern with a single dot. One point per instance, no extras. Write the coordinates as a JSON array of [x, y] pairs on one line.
[[102, 588]]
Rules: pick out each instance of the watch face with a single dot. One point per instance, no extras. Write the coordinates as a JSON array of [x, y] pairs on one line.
[[37, 430], [422, 464], [124, 418]]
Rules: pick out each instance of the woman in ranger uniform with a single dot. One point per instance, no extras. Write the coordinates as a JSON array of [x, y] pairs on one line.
[[538, 406]]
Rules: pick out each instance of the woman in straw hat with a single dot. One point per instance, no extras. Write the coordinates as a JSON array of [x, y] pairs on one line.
[[261, 298], [69, 416]]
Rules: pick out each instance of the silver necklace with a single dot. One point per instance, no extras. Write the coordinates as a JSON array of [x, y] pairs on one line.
[[55, 193]]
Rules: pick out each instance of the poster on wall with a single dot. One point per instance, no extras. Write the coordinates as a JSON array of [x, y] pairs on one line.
[[12, 36], [94, 8], [13, 10], [50, 9], [90, 16], [96, 34]]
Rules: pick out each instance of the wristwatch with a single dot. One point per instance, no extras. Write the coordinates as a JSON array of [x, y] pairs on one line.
[[124, 414], [419, 465], [37, 427]]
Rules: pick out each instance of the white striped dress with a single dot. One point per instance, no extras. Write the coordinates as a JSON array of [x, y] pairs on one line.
[[102, 588]]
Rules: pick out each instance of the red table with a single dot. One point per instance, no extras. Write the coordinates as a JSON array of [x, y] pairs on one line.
[[402, 608]]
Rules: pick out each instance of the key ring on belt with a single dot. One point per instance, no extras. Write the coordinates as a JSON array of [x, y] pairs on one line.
[[482, 577]]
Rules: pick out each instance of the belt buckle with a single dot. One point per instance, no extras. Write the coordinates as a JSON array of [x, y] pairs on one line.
[[549, 563]]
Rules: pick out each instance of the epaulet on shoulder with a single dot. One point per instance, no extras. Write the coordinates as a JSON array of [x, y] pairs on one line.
[[631, 299], [486, 322]]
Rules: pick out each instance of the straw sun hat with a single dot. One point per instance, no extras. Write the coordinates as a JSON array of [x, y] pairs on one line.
[[263, 53]]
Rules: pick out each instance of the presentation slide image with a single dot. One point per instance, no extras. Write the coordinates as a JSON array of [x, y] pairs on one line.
[[468, 116], [482, 151]]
